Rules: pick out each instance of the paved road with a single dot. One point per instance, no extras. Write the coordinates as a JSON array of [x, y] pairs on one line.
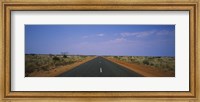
[[99, 67]]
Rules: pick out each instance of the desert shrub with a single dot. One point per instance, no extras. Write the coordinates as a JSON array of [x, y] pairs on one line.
[[146, 62], [46, 62], [51, 55], [152, 64], [64, 56], [45, 67], [30, 67], [165, 63], [55, 58], [116, 57], [70, 62], [82, 57]]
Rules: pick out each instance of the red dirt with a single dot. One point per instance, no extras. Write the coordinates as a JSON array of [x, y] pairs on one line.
[[143, 69], [59, 70]]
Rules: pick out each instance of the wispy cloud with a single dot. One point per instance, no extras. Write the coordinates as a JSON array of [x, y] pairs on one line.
[[146, 33], [93, 35], [138, 34], [84, 37], [101, 34], [118, 40]]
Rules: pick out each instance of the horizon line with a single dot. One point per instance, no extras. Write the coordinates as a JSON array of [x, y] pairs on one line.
[[97, 55]]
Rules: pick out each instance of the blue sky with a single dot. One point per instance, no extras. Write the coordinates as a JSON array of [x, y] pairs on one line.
[[128, 40]]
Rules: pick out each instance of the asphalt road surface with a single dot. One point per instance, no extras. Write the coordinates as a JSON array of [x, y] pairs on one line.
[[99, 67]]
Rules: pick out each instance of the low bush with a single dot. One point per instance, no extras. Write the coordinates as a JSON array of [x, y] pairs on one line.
[[46, 62], [64, 56], [146, 62], [165, 63], [55, 58]]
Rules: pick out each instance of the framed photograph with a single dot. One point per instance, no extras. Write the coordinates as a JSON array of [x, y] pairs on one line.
[[99, 49]]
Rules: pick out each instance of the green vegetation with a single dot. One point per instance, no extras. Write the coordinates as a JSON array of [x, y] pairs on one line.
[[37, 62], [165, 63]]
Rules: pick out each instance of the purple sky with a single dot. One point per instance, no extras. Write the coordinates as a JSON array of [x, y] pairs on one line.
[[129, 40]]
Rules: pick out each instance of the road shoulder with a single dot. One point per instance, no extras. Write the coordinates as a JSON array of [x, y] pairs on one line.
[[146, 71], [59, 70]]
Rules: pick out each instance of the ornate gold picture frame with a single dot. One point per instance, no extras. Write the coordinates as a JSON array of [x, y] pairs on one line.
[[87, 5]]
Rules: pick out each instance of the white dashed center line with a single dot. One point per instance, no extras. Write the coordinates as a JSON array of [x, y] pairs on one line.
[[101, 70]]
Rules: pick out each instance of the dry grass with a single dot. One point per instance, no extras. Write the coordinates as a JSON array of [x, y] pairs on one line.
[[44, 63], [147, 66], [163, 63]]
